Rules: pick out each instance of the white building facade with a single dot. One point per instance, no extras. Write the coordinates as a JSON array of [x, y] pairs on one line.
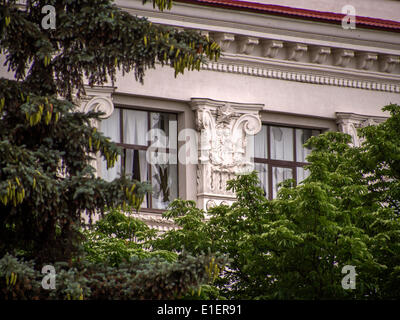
[[285, 74]]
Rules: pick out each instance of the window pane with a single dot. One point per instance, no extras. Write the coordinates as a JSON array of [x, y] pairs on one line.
[[165, 185], [302, 135], [135, 127], [279, 175], [136, 167], [302, 174], [135, 132], [260, 143], [162, 121], [111, 173], [262, 170], [110, 126], [167, 126], [281, 143]]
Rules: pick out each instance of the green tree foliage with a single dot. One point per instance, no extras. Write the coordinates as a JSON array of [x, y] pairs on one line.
[[294, 247], [190, 234], [46, 181], [117, 238], [92, 38], [139, 278]]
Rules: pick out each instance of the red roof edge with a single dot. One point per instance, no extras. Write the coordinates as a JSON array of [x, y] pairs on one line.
[[330, 17]]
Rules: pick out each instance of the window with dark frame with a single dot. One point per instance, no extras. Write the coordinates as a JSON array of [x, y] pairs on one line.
[[279, 155], [129, 129]]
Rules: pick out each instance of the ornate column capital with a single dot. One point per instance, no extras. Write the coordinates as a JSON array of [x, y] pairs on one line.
[[223, 129], [349, 123], [98, 99], [101, 104]]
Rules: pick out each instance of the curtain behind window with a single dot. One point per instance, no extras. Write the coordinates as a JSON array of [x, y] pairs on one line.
[[164, 176], [110, 128], [135, 126], [302, 135], [135, 130], [282, 143], [261, 144]]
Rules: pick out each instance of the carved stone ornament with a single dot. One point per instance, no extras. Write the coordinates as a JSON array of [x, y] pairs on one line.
[[210, 204], [295, 51], [224, 40], [388, 63], [100, 104], [319, 54], [223, 150], [350, 122], [270, 48], [342, 57], [246, 44], [365, 60]]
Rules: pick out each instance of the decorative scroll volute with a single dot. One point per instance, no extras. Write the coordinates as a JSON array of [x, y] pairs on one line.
[[246, 125], [100, 104], [205, 125]]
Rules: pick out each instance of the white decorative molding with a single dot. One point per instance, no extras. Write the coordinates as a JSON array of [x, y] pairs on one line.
[[155, 221], [223, 151], [342, 57], [270, 48], [350, 122], [388, 63], [351, 80], [275, 28], [97, 98], [100, 104], [246, 44], [365, 60], [319, 54], [210, 204], [223, 39], [308, 63], [295, 51]]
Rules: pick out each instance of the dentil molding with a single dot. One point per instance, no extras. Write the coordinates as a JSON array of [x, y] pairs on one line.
[[300, 73]]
